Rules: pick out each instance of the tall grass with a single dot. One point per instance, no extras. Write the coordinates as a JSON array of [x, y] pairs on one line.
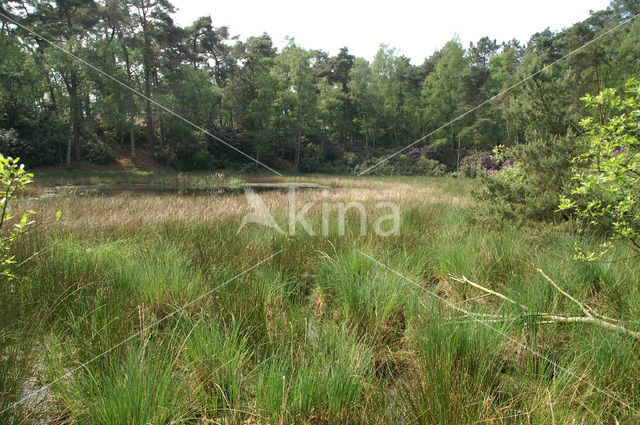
[[322, 381], [141, 386], [319, 334]]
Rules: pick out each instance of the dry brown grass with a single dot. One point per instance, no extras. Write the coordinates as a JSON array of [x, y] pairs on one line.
[[132, 210]]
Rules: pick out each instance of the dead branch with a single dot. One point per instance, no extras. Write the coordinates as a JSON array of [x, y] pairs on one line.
[[591, 316]]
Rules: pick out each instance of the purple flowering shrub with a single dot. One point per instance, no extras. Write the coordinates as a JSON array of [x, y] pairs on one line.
[[619, 151], [423, 151], [479, 163], [529, 185]]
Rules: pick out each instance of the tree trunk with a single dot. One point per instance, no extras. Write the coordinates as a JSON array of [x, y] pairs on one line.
[[87, 108], [458, 160], [77, 153], [163, 133], [132, 103], [373, 136], [147, 90], [69, 143], [74, 106], [170, 144], [297, 157], [132, 118]]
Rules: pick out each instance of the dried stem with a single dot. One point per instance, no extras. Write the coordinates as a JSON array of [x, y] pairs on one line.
[[591, 316], [586, 310]]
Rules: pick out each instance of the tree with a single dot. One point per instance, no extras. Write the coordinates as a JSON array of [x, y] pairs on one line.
[[365, 98], [442, 94], [206, 44], [152, 19], [251, 91], [297, 96], [68, 22], [608, 174], [120, 26]]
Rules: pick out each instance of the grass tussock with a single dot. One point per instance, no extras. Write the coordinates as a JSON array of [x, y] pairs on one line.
[[318, 334]]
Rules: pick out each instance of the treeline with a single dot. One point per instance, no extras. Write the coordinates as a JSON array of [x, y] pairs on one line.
[[293, 109]]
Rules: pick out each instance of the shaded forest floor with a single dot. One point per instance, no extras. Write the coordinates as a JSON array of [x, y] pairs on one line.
[[144, 161]]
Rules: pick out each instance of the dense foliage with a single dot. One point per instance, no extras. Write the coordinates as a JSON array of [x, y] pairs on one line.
[[13, 178], [607, 176], [291, 108], [529, 185]]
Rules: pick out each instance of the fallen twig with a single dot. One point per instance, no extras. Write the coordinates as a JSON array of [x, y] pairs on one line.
[[591, 316], [489, 291]]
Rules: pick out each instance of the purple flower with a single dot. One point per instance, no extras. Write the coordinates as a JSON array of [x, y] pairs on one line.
[[415, 152], [619, 151]]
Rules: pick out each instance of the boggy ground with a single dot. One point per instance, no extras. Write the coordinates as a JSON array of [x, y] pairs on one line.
[[319, 333]]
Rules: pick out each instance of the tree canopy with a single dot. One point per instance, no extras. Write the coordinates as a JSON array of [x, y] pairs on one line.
[[289, 107]]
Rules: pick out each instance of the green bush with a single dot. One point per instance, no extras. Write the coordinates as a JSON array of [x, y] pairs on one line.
[[383, 169], [14, 178], [12, 145], [36, 140], [310, 157], [608, 174], [532, 187], [192, 154], [401, 165], [350, 159], [429, 167], [98, 152]]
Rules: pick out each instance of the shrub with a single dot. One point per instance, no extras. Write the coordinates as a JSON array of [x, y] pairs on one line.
[[310, 156], [38, 139], [429, 167], [401, 165], [14, 178], [12, 145], [344, 164], [540, 173], [479, 163], [192, 154], [98, 152], [383, 169], [608, 173]]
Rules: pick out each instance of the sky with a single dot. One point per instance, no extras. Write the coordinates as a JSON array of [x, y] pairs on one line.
[[415, 28]]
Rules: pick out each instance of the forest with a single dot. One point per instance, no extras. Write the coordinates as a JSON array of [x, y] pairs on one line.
[[292, 109]]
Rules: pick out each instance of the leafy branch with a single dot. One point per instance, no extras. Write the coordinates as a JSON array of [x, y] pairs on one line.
[[13, 178]]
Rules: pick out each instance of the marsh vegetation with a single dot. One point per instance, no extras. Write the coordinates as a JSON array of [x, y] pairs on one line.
[[318, 333]]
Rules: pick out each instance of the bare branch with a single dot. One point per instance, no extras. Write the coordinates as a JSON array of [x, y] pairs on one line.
[[586, 309]]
